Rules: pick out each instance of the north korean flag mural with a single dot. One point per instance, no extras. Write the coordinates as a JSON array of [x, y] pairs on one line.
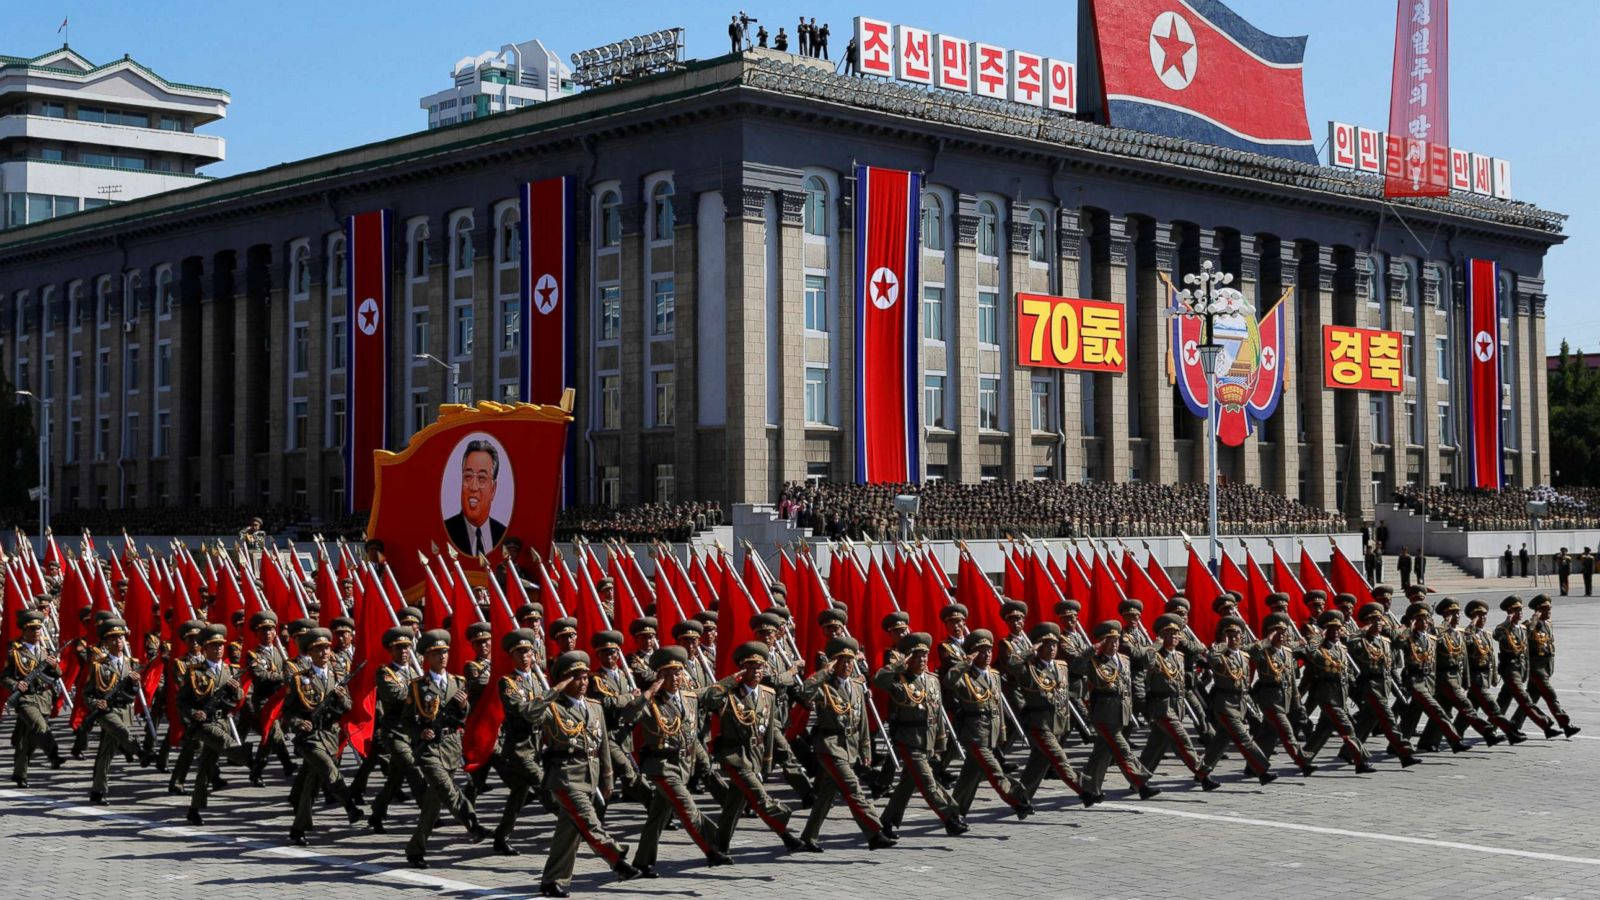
[[549, 322], [1250, 366], [1483, 374], [367, 385], [887, 433], [1193, 69]]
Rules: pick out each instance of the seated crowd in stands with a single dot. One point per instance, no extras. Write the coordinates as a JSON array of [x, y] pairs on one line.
[[670, 522], [1048, 509], [1505, 510]]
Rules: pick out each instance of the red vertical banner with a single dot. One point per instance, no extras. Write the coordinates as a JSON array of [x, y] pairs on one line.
[[367, 385], [549, 359], [1419, 102], [1483, 378], [886, 306]]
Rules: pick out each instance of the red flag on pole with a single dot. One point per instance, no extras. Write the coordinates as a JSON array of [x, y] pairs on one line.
[[1347, 578], [1159, 577], [1202, 589], [483, 723], [878, 603], [1141, 588], [1484, 457], [888, 343], [978, 596], [1312, 577], [733, 624], [1286, 583], [373, 617], [1233, 579], [367, 271], [463, 612], [1256, 594]]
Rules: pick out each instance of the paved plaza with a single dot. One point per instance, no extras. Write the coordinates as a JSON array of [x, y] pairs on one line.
[[1501, 822]]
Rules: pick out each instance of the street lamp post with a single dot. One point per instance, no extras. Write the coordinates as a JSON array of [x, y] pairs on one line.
[[44, 460], [453, 368], [1208, 298]]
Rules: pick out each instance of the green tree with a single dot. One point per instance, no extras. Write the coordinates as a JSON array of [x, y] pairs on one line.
[[1574, 396]]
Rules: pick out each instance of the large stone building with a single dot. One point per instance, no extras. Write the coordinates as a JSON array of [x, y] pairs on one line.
[[192, 341]]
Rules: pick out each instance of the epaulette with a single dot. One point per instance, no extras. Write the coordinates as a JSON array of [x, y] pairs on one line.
[[766, 690], [389, 675]]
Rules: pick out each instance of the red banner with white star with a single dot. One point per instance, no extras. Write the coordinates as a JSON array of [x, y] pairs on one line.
[[549, 321], [886, 302], [367, 379], [1483, 374]]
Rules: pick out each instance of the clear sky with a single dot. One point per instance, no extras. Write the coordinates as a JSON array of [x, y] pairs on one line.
[[312, 77]]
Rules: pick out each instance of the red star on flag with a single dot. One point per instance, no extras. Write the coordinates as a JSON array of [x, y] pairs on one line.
[[1173, 48]]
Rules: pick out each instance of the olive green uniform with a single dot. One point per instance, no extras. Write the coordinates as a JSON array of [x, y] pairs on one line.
[[212, 689], [841, 740], [1109, 685], [436, 709], [914, 728], [32, 699], [311, 712], [1230, 681], [980, 720], [745, 725], [115, 681], [666, 757], [520, 698], [577, 763]]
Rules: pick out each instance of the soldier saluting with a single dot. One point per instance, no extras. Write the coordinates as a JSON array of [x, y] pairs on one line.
[[915, 709]]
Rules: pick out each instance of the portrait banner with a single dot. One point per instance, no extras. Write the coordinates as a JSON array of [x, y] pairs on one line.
[[468, 482]]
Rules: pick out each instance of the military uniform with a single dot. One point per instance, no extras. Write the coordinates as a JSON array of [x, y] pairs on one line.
[[841, 740], [312, 710], [1419, 674], [914, 722], [978, 699], [1329, 670], [207, 697], [390, 737], [1165, 675], [1512, 640], [613, 687], [269, 669], [1542, 665], [114, 681], [1108, 682], [1450, 682], [1046, 688], [786, 684], [435, 713], [1483, 673], [1276, 693], [30, 677], [745, 717], [577, 764], [1373, 656], [1230, 682], [521, 693]]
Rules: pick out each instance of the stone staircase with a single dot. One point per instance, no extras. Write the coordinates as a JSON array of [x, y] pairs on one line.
[[1438, 569]]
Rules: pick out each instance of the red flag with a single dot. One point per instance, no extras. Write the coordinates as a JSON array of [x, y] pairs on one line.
[[140, 610], [483, 723], [373, 617], [979, 597], [1107, 592], [814, 594], [229, 601], [12, 602], [52, 553], [669, 609], [1233, 579], [1141, 588], [1484, 462], [1311, 576], [878, 602], [1347, 578], [1202, 589], [1159, 577], [733, 625], [463, 612], [279, 597], [628, 605], [1288, 584], [888, 344], [1256, 596], [437, 597], [330, 605], [1039, 591], [1016, 586], [367, 272], [789, 577], [1417, 156]]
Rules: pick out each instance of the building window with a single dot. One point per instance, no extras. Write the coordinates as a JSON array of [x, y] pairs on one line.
[[419, 331], [610, 313], [336, 263], [102, 437], [666, 484], [461, 333], [816, 303], [164, 365], [510, 315], [1407, 348], [300, 349], [989, 318], [166, 292], [510, 229], [1375, 419], [336, 345], [664, 395], [932, 222], [1447, 431], [300, 276], [419, 251], [933, 312], [610, 402], [335, 435], [990, 473], [75, 376], [610, 485], [662, 304], [989, 404], [102, 372], [1038, 237], [74, 437], [1413, 424], [816, 395], [298, 408], [130, 368], [421, 411], [461, 245], [130, 436], [988, 227], [815, 213], [1441, 359], [163, 433], [1043, 405], [933, 401], [938, 471], [661, 211], [463, 394], [610, 219]]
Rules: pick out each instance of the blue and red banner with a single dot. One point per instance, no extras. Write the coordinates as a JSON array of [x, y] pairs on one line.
[[1484, 459], [549, 358], [1194, 69], [1249, 366], [366, 421], [886, 302]]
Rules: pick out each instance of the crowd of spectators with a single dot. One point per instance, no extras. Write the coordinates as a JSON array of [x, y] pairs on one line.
[[1504, 510], [199, 521], [996, 509], [670, 522]]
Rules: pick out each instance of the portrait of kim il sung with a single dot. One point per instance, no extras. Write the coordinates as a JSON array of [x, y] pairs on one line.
[[476, 494]]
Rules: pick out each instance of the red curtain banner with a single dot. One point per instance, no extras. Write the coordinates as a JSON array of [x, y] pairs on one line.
[[1483, 374], [549, 360], [367, 389], [1417, 160], [887, 340]]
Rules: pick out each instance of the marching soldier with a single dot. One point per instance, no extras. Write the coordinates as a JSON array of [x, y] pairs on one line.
[[520, 695], [207, 697], [1374, 656], [744, 710], [841, 740], [109, 692], [87, 650], [1165, 667], [1512, 639], [1329, 669], [480, 637], [1230, 679], [311, 712], [577, 766], [1316, 602], [978, 698], [435, 713], [344, 641], [1419, 651], [1108, 676], [1013, 647], [177, 672], [269, 668], [1074, 642], [954, 618], [390, 738], [914, 722], [1273, 661], [30, 678], [613, 682], [1450, 680], [1483, 673], [1542, 663], [1195, 663], [667, 716], [645, 642], [1046, 685], [564, 634]]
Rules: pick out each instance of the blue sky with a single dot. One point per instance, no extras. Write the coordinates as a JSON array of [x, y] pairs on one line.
[[308, 78]]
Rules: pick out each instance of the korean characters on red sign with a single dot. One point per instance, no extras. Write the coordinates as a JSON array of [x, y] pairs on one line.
[[1367, 150], [1070, 333], [1361, 359], [919, 56]]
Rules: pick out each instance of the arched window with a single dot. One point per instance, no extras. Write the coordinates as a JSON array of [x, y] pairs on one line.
[[1038, 237], [661, 211], [462, 244], [130, 300], [336, 262], [166, 291], [988, 225], [300, 270], [510, 228], [102, 299], [815, 214], [610, 219], [419, 251], [932, 222]]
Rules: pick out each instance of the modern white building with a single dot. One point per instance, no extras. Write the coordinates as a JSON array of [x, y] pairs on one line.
[[515, 76], [75, 135]]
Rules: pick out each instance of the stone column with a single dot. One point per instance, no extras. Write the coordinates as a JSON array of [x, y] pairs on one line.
[[1540, 411], [686, 281], [1157, 254], [1531, 399], [1069, 250], [634, 332], [1017, 451], [1316, 283], [1429, 325], [258, 324], [746, 297], [1397, 298], [1111, 391], [964, 299], [791, 336], [1353, 287], [216, 356]]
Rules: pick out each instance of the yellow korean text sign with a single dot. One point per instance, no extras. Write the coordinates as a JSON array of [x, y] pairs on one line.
[[1361, 359], [1070, 333]]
